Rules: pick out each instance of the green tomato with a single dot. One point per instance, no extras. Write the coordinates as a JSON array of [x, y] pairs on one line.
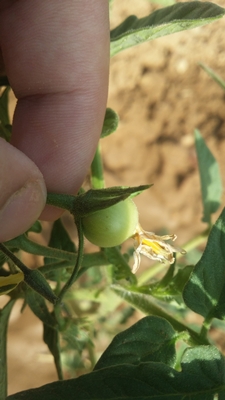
[[111, 226]]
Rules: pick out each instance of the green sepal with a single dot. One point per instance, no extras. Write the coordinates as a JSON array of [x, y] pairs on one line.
[[93, 200], [38, 283]]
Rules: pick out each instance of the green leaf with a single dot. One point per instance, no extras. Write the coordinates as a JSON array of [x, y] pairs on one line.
[[213, 75], [4, 318], [202, 376], [149, 306], [150, 339], [59, 240], [38, 283], [67, 259], [163, 3], [176, 18], [121, 267], [205, 291], [37, 304], [32, 278], [4, 115], [111, 122], [181, 278], [24, 243], [51, 338], [36, 227], [211, 184], [168, 290]]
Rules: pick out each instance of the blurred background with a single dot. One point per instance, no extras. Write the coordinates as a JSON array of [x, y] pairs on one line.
[[161, 95]]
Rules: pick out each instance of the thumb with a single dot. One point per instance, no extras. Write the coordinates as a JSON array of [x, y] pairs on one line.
[[22, 192]]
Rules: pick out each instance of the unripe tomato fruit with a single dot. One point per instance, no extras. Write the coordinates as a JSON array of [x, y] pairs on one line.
[[111, 226]]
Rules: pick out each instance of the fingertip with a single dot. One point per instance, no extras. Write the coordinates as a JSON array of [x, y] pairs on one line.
[[23, 192]]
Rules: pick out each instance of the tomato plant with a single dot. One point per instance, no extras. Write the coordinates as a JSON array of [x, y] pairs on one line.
[[75, 293]]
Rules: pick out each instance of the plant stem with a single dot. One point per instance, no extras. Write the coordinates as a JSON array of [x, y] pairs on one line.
[[64, 201], [205, 328], [97, 177], [158, 267], [14, 259]]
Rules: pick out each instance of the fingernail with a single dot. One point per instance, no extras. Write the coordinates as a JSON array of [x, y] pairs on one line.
[[22, 209]]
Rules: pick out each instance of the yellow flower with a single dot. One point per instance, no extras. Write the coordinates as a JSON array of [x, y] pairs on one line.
[[153, 247]]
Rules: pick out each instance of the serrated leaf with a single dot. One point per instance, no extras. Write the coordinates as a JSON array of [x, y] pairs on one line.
[[37, 304], [176, 18], [211, 183], [205, 291], [121, 267], [24, 243], [150, 339], [33, 278], [213, 75], [4, 318], [149, 306], [59, 240], [51, 338], [201, 377], [36, 281], [111, 122]]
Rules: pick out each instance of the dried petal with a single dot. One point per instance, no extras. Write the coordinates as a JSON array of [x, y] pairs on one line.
[[153, 247]]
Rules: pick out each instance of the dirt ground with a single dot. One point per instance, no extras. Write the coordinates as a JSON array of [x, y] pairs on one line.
[[161, 95]]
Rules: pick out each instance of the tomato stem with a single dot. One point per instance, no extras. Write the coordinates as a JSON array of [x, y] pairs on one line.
[[64, 201], [97, 175]]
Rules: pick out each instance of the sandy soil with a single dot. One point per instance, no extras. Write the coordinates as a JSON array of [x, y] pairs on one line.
[[161, 95]]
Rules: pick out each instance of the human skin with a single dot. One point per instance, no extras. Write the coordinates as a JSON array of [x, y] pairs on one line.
[[56, 57]]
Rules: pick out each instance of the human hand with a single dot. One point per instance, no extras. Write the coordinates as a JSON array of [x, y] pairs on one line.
[[56, 58]]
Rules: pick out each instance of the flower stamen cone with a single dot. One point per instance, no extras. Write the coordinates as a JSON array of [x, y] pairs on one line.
[[153, 247]]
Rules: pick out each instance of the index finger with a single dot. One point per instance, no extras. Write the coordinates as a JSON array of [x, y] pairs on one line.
[[56, 57]]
